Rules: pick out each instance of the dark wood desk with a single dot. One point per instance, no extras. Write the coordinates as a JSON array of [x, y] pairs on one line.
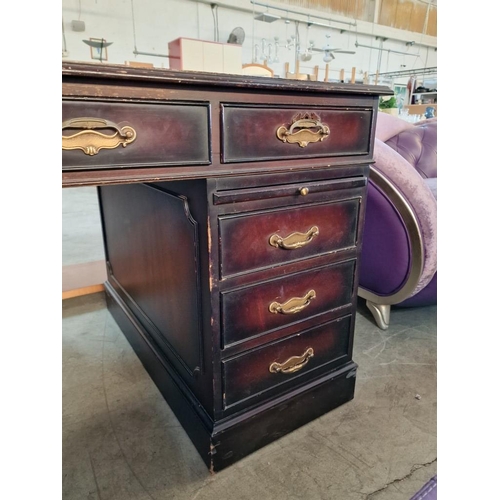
[[232, 212]]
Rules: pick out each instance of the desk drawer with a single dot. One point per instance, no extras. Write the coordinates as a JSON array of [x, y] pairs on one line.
[[110, 135], [276, 364], [254, 133], [274, 237], [257, 309]]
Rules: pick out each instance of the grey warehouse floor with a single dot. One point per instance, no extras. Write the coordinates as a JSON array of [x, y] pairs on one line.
[[121, 441]]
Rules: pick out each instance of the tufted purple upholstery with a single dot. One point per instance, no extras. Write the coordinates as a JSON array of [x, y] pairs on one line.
[[418, 146], [406, 157]]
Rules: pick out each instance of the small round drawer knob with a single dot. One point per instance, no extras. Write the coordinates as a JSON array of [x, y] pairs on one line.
[[304, 191]]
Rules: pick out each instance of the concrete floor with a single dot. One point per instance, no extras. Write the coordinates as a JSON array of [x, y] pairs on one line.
[[121, 441]]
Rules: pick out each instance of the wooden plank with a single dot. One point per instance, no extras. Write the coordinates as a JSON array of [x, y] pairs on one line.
[[83, 279], [364, 10], [347, 7], [408, 15], [418, 18], [387, 14], [403, 15], [432, 22]]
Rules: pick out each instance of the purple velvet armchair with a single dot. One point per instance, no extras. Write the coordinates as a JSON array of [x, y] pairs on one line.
[[399, 257]]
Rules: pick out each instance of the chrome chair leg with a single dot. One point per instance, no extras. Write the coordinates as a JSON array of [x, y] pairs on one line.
[[381, 313]]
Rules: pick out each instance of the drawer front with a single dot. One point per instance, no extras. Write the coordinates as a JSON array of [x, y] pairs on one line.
[[252, 133], [111, 135], [284, 361], [274, 237], [257, 309]]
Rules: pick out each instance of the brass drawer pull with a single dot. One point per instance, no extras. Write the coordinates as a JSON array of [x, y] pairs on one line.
[[294, 240], [292, 365], [294, 305], [305, 128], [90, 141]]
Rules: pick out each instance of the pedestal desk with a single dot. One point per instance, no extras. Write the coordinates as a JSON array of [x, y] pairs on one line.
[[232, 211]]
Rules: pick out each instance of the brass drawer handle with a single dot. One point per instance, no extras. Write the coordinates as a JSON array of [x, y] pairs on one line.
[[305, 128], [294, 240], [292, 365], [294, 305], [90, 141]]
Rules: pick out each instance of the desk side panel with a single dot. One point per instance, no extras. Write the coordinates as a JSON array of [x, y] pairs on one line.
[[153, 253]]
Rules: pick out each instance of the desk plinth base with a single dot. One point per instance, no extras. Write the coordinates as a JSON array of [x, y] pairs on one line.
[[224, 442]]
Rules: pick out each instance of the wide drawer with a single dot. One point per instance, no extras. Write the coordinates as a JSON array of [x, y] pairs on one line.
[[254, 133], [281, 362], [274, 237], [109, 134], [257, 309]]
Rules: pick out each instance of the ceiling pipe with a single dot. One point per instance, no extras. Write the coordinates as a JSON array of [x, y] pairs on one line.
[[409, 72], [141, 53], [323, 25], [387, 50]]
